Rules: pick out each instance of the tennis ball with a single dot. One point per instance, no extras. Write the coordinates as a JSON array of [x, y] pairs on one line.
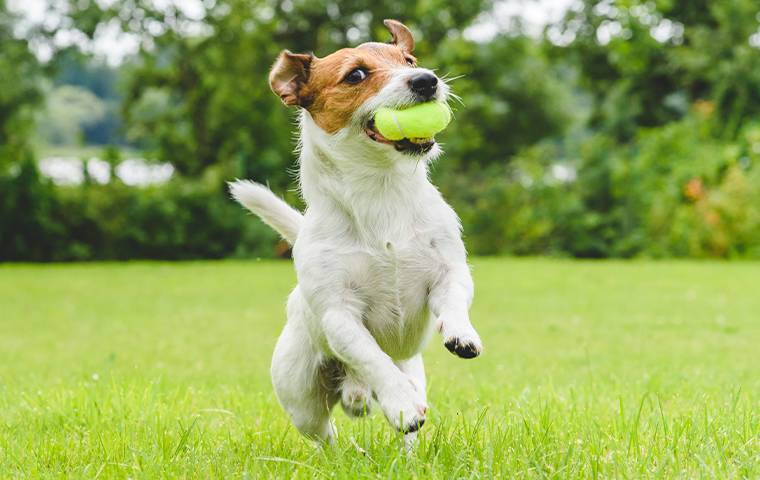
[[422, 120]]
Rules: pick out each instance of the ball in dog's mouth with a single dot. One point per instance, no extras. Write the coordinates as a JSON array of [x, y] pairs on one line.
[[416, 146]]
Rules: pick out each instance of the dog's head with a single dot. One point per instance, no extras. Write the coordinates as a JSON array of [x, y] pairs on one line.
[[342, 91]]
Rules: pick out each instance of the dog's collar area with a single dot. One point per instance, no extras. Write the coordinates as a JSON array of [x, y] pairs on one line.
[[405, 145]]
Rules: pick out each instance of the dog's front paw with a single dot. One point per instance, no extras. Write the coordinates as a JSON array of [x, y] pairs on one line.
[[403, 406], [463, 343]]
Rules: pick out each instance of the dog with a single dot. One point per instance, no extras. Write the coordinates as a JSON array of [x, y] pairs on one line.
[[378, 252]]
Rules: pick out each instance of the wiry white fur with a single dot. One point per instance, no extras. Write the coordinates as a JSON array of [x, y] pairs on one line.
[[380, 262], [272, 209]]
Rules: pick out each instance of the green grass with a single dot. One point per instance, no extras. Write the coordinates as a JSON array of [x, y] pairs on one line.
[[607, 369]]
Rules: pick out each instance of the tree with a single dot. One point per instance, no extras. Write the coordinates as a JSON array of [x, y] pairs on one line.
[[68, 111], [646, 62], [19, 92], [209, 74], [512, 96]]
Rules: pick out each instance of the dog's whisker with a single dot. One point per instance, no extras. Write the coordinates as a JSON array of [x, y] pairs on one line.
[[457, 98], [448, 79]]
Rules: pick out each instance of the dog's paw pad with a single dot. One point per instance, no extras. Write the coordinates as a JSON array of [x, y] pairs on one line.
[[463, 348]]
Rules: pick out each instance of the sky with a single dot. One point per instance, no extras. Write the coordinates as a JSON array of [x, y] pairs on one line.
[[113, 45]]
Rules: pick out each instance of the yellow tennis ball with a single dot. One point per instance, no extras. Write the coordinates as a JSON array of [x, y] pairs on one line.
[[422, 120]]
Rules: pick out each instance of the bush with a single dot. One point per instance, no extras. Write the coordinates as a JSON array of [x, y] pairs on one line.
[[514, 209], [28, 228], [687, 194], [182, 219], [673, 191]]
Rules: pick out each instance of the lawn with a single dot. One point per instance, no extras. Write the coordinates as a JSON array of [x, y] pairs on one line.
[[591, 369]]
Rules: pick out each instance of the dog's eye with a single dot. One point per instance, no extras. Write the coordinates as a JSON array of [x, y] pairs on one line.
[[410, 61], [356, 75]]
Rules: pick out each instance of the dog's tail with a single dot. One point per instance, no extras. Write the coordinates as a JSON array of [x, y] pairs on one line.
[[271, 208]]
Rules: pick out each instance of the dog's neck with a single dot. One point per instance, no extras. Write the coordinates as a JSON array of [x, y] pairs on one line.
[[375, 187]]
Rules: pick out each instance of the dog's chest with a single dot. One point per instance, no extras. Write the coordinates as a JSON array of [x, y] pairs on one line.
[[395, 291]]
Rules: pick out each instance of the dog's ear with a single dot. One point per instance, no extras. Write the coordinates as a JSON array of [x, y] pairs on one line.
[[289, 74], [402, 36]]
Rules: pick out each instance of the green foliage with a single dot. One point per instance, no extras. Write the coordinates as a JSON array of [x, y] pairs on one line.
[[28, 228], [179, 220], [629, 129], [512, 98], [19, 92], [686, 194], [72, 67], [512, 209], [82, 104], [69, 110], [672, 191], [197, 101], [645, 62], [673, 105]]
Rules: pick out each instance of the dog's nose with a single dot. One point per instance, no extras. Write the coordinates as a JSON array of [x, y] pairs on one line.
[[424, 85]]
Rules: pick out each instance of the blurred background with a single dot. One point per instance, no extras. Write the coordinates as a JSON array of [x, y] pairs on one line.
[[589, 128]]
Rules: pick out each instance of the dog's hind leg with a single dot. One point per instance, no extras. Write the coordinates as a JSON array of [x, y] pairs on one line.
[[415, 369], [306, 384], [355, 396]]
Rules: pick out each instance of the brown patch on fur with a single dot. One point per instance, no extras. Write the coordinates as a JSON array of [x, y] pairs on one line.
[[402, 36], [289, 74], [318, 84], [330, 100]]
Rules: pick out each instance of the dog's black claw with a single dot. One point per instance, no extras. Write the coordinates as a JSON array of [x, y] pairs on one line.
[[414, 426], [466, 350]]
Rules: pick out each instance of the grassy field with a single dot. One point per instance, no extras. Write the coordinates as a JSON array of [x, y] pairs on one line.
[[606, 369]]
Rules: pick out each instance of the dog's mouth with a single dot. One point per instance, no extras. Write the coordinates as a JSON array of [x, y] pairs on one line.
[[414, 146]]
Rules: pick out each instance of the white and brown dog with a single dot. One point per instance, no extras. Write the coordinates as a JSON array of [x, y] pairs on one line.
[[378, 252]]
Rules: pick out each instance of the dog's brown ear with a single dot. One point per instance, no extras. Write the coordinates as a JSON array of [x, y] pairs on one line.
[[289, 74], [402, 36]]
